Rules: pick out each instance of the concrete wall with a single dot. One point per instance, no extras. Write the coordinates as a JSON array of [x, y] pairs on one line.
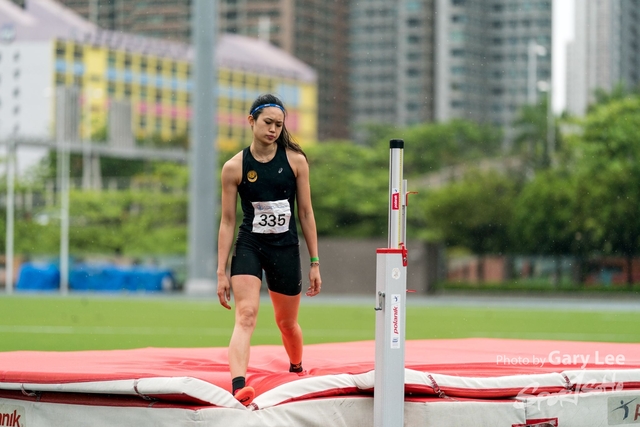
[[348, 266]]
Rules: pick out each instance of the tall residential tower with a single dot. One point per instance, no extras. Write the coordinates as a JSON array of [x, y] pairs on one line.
[[493, 57], [168, 19], [391, 61], [605, 51], [314, 31]]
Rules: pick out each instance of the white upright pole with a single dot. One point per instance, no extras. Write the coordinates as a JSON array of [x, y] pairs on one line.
[[532, 75], [67, 126], [63, 164], [395, 191], [11, 171], [391, 290]]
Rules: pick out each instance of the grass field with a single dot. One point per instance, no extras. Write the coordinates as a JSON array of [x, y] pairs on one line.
[[77, 322]]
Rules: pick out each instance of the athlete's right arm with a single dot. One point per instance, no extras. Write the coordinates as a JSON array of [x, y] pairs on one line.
[[230, 178]]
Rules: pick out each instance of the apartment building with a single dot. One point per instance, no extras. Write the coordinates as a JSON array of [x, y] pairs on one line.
[[52, 46], [493, 56], [391, 62], [314, 31], [605, 51]]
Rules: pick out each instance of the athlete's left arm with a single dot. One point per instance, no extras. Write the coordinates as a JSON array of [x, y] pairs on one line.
[[306, 217]]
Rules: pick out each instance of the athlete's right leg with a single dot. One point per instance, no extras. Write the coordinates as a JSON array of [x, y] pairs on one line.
[[246, 294]]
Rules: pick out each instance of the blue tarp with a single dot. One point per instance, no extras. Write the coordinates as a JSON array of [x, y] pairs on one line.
[[38, 277], [96, 278]]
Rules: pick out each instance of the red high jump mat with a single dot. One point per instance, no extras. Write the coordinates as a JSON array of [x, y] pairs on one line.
[[459, 382]]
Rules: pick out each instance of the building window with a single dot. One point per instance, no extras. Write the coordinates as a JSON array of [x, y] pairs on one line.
[[60, 49], [77, 52], [457, 36]]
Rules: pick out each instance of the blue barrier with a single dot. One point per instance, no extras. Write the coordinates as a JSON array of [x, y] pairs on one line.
[[38, 277], [97, 278]]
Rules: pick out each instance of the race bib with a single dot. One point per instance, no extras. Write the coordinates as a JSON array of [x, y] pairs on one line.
[[271, 217]]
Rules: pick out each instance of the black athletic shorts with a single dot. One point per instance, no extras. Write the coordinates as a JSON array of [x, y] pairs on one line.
[[281, 264]]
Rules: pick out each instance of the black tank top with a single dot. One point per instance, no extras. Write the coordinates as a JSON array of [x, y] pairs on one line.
[[267, 196]]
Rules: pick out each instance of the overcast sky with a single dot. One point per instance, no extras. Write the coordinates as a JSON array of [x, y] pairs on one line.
[[563, 31]]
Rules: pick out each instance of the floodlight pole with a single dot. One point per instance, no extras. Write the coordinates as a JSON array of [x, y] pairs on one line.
[[203, 156], [391, 291], [67, 127], [11, 176]]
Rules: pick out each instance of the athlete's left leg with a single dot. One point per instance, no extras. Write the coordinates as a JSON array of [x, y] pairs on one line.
[[285, 308]]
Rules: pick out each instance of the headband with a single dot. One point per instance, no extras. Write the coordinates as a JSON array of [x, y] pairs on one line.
[[260, 107]]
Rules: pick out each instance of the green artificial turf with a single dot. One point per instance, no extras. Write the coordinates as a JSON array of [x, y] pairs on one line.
[[77, 322]]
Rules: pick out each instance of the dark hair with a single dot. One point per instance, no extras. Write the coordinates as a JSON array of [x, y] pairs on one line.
[[285, 139]]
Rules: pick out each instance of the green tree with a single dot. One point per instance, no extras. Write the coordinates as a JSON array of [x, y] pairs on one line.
[[608, 172], [619, 92], [531, 141], [350, 185], [545, 217], [431, 146], [473, 213]]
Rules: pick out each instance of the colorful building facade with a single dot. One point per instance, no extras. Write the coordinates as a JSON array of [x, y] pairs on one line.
[[155, 78], [160, 92]]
